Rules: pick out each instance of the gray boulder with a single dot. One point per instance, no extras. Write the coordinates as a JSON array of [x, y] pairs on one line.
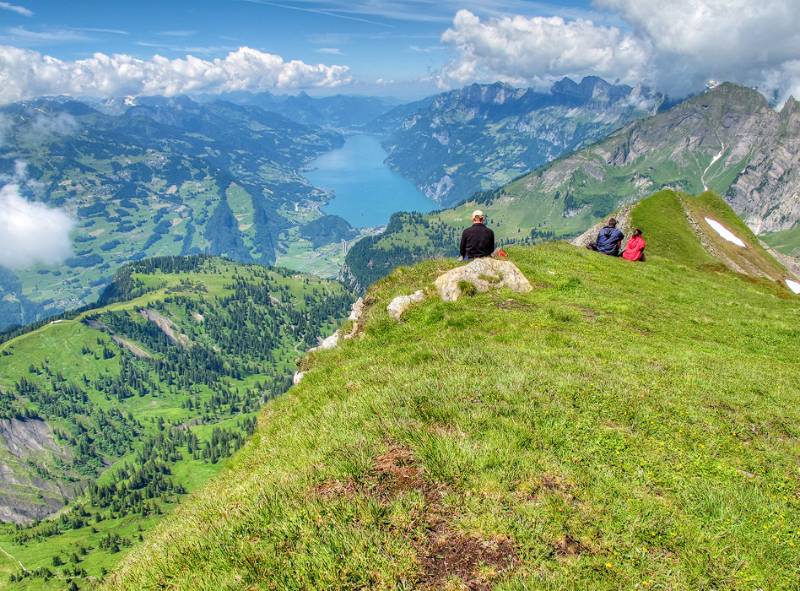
[[401, 303], [484, 274]]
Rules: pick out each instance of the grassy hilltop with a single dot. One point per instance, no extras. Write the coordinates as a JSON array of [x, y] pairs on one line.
[[622, 426]]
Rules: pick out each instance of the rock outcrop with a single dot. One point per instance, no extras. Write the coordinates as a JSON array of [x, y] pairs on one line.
[[623, 223], [327, 343], [25, 493], [166, 326], [484, 274], [400, 304]]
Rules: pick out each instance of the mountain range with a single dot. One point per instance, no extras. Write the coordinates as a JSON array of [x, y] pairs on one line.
[[482, 136], [727, 139], [395, 450], [151, 176], [165, 176]]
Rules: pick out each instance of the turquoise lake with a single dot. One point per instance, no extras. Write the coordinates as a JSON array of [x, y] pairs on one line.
[[366, 192]]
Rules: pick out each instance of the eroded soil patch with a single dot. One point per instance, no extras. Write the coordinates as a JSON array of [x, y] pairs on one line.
[[443, 553]]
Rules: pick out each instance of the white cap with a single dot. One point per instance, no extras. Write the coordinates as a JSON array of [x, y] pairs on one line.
[[477, 214]]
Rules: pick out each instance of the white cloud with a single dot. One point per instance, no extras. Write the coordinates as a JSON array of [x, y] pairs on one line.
[[751, 42], [177, 33], [45, 126], [25, 36], [537, 50], [330, 50], [30, 232], [6, 123], [21, 10], [102, 30], [25, 73], [674, 45]]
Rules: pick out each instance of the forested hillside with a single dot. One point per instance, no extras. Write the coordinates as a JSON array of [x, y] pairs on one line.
[[120, 410]]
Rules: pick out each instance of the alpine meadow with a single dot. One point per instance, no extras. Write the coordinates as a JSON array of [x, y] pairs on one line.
[[400, 295]]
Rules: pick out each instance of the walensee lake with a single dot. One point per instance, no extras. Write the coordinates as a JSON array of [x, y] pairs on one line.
[[366, 192]]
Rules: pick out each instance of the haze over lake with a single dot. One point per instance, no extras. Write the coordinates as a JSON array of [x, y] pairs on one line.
[[366, 192]]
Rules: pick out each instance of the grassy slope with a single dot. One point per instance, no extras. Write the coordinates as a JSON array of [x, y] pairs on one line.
[[614, 427], [785, 242], [663, 219], [60, 343]]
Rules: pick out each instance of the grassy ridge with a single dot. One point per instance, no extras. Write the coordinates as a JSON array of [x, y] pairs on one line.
[[613, 429]]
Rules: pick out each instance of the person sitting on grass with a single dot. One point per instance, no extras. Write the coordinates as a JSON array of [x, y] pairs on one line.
[[634, 250], [477, 241], [609, 239]]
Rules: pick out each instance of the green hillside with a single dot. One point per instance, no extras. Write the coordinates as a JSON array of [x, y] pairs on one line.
[[622, 426], [676, 226], [123, 409], [785, 241]]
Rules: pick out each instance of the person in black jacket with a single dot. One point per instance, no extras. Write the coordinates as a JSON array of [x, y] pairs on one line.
[[477, 241]]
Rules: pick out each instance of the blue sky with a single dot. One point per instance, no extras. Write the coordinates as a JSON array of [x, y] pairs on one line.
[[388, 41], [405, 48]]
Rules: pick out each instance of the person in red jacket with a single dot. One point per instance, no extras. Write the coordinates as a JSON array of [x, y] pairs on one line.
[[634, 250]]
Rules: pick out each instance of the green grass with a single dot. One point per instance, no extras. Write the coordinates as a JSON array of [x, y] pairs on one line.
[[642, 416], [664, 219], [785, 241], [666, 229]]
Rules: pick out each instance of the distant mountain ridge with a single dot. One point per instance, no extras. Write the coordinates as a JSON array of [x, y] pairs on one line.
[[481, 136], [339, 111]]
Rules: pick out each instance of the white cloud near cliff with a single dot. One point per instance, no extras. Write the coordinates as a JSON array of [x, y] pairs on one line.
[[27, 73], [674, 45], [31, 232], [746, 41]]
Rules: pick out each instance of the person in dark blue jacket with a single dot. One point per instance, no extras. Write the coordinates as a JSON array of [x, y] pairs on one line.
[[609, 239]]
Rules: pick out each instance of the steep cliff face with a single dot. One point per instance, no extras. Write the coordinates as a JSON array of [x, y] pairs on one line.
[[481, 136], [28, 488], [767, 193]]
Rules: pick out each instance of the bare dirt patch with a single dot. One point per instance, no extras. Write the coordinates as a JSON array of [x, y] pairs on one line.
[[472, 560], [509, 304], [569, 546], [443, 553]]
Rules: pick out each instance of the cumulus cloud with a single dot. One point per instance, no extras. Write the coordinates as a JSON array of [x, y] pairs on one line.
[[694, 40], [674, 45], [27, 73], [6, 125], [30, 232], [538, 50]]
